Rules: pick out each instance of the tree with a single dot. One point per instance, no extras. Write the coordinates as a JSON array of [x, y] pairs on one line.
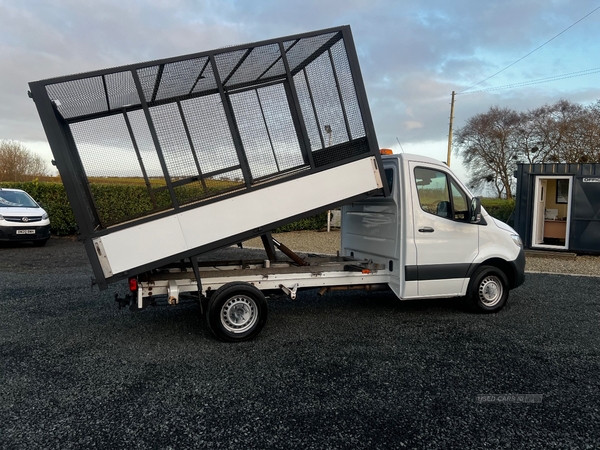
[[17, 163], [491, 143], [489, 146]]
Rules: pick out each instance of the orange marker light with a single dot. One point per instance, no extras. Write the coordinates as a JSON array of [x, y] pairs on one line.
[[386, 151]]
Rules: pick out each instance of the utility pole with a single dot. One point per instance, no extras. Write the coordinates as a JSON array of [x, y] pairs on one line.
[[450, 129]]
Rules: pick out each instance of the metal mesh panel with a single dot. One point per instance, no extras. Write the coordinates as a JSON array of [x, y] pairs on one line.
[[344, 75], [210, 134], [257, 63], [207, 80], [180, 78], [173, 141], [267, 130], [225, 182], [305, 48], [308, 112], [146, 148], [281, 127], [121, 90], [327, 101], [78, 97], [226, 62], [219, 126], [147, 76], [253, 132], [108, 158]]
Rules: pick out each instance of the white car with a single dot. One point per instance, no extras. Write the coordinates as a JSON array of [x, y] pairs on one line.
[[22, 219]]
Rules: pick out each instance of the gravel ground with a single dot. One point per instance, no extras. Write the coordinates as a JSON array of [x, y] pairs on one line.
[[349, 370]]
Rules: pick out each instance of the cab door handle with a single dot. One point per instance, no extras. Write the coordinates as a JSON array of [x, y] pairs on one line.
[[426, 230]]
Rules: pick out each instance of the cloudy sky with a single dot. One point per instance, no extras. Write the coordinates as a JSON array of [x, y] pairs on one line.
[[412, 54]]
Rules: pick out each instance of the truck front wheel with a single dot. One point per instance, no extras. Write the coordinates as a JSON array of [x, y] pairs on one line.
[[236, 312], [488, 290]]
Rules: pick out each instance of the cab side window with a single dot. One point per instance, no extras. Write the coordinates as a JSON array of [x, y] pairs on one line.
[[440, 195], [460, 204], [432, 187]]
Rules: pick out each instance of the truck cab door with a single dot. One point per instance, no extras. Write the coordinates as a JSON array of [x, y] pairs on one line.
[[446, 242]]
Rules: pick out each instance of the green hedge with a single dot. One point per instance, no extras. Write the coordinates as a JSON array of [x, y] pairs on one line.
[[119, 201], [115, 202], [499, 208]]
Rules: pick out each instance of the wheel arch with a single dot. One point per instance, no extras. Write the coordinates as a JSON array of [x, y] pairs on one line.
[[501, 264]]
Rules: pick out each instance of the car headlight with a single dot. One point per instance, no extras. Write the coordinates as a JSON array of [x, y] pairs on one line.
[[517, 240], [44, 216]]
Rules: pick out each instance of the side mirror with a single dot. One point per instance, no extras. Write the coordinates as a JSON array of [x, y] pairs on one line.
[[475, 210]]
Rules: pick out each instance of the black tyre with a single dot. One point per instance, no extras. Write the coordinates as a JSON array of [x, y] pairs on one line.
[[488, 290], [236, 312]]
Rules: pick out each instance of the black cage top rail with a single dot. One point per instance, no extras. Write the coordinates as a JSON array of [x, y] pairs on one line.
[[188, 130]]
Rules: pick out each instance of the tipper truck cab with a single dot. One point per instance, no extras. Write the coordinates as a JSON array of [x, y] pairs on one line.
[[433, 236], [224, 145]]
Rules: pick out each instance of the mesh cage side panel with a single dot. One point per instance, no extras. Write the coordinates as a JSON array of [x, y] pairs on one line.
[[210, 133], [288, 44], [308, 113], [108, 158], [281, 127], [173, 141], [121, 90], [278, 69], [147, 76], [257, 62], [189, 192], [225, 182], [78, 97], [305, 48], [147, 149], [207, 82], [178, 78], [227, 61], [327, 101], [346, 81], [253, 132]]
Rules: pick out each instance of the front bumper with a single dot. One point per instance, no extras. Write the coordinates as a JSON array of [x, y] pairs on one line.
[[518, 267], [9, 233]]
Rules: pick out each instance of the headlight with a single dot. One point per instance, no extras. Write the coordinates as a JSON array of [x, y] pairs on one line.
[[44, 216], [517, 240]]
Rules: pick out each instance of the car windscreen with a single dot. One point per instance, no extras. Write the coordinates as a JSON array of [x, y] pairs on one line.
[[16, 199]]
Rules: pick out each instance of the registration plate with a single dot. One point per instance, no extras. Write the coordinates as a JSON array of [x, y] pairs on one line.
[[25, 231]]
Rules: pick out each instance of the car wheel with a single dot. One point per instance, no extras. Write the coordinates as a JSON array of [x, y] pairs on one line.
[[236, 312], [488, 290]]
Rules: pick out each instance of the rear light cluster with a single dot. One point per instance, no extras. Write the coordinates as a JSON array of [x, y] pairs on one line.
[[133, 284]]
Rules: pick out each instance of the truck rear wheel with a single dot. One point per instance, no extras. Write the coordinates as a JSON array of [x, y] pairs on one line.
[[236, 312], [488, 290]]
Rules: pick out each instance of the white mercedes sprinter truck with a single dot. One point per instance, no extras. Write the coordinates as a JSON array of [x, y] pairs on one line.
[[430, 238]]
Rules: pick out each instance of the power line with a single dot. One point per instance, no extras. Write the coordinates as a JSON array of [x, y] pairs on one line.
[[537, 81], [534, 50]]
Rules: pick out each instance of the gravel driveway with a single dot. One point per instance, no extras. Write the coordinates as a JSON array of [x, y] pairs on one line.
[[349, 370]]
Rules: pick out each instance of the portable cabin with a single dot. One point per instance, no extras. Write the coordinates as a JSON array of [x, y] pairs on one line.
[[558, 206]]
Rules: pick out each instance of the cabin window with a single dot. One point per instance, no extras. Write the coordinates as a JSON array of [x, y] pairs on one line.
[[440, 195]]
